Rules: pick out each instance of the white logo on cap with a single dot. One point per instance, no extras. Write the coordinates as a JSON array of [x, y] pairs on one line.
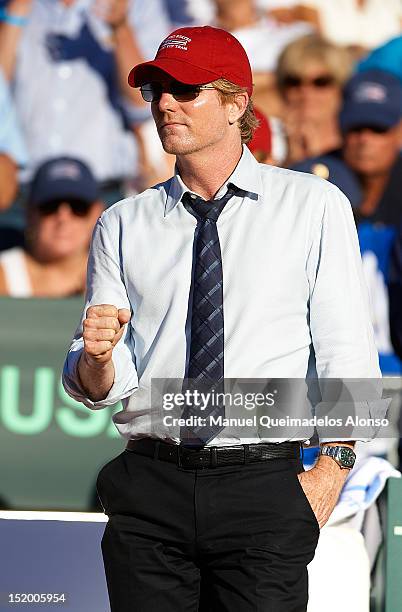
[[175, 41], [371, 92], [64, 170]]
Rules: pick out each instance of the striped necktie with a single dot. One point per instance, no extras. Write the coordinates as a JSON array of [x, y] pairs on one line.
[[206, 361]]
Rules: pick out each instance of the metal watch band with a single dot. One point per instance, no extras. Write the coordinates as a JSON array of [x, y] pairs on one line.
[[329, 451], [334, 452]]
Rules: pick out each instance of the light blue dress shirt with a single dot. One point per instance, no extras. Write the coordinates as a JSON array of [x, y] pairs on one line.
[[292, 285]]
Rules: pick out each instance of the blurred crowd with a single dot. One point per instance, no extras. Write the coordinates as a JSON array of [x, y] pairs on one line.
[[75, 138]]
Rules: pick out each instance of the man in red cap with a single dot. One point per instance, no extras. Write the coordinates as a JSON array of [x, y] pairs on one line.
[[230, 269]]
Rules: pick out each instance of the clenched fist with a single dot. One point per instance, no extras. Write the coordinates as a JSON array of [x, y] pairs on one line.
[[103, 328]]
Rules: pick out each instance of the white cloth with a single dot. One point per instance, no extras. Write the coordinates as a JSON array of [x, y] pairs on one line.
[[344, 22], [63, 106], [265, 40], [292, 277], [339, 547], [16, 273], [355, 511], [362, 487]]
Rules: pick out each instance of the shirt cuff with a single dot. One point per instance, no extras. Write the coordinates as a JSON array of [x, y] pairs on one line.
[[120, 389], [350, 421]]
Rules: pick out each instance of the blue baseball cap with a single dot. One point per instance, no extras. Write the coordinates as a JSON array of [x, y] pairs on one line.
[[371, 98], [334, 170], [63, 178]]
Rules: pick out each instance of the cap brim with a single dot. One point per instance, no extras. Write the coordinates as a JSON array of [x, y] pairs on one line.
[[178, 69], [62, 194], [366, 116], [61, 198]]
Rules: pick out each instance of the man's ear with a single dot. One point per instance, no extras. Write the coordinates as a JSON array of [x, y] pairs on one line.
[[237, 108]]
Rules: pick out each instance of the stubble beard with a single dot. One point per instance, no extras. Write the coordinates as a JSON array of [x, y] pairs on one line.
[[176, 145]]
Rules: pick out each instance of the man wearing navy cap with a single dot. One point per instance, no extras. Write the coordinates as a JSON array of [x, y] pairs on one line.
[[371, 123], [62, 208], [369, 165], [230, 269]]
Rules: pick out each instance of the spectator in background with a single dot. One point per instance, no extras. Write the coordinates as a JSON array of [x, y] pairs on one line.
[[12, 150], [371, 123], [68, 61], [62, 209], [310, 76]]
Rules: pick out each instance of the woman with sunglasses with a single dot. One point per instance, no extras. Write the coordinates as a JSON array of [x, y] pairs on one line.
[[310, 76], [63, 207]]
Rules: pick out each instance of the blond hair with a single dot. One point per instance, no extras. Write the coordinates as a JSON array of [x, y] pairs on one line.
[[248, 122], [336, 59]]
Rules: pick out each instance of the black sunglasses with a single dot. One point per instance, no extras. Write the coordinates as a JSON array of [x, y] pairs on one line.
[[80, 208], [182, 92], [319, 82]]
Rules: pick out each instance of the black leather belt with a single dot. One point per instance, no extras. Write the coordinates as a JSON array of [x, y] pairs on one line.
[[214, 456]]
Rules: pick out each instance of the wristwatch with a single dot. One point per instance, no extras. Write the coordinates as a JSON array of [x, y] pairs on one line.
[[343, 455]]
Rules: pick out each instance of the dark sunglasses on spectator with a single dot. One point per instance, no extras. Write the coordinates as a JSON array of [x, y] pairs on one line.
[[319, 82], [80, 208], [376, 129], [152, 92]]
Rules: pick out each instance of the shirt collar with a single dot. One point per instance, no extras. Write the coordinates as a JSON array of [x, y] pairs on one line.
[[246, 176]]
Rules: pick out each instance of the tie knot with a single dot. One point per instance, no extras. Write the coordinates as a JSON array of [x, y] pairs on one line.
[[207, 209]]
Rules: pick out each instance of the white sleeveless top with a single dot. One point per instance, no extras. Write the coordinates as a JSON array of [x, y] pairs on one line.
[[16, 273]]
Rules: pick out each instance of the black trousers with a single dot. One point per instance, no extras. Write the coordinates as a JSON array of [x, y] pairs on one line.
[[228, 539]]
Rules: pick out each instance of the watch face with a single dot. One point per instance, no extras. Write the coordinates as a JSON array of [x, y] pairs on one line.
[[347, 457]]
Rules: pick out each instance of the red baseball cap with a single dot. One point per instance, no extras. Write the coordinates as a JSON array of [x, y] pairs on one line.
[[196, 56]]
